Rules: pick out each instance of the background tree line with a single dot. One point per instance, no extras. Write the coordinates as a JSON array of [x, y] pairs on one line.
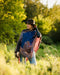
[[14, 14]]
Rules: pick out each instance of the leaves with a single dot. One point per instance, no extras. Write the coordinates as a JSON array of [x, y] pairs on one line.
[[11, 17]]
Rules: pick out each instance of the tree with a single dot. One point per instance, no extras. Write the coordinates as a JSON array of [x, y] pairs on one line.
[[54, 15], [44, 24], [11, 17], [55, 32], [34, 8]]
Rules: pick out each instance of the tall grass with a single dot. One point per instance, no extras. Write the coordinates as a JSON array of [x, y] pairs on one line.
[[47, 65]]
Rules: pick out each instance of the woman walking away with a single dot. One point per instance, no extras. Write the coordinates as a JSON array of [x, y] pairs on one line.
[[26, 43]]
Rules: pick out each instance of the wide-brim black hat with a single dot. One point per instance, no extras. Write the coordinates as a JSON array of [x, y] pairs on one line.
[[30, 21]]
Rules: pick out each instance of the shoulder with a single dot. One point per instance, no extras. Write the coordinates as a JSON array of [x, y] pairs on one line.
[[25, 30]]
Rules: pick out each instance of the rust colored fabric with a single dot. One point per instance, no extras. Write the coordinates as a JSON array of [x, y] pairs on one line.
[[26, 51]]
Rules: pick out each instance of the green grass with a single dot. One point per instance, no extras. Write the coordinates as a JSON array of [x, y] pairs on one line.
[[48, 49], [48, 61]]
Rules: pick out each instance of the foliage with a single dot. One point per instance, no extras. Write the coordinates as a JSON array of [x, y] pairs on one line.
[[43, 24], [47, 40], [31, 10], [55, 32], [34, 8], [42, 45], [45, 66], [54, 12], [54, 15], [11, 17], [14, 13], [48, 50], [50, 25]]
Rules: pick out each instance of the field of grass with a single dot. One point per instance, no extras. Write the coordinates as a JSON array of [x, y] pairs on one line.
[[48, 61]]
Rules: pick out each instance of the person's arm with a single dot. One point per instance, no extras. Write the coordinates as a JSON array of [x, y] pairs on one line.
[[19, 43], [37, 31]]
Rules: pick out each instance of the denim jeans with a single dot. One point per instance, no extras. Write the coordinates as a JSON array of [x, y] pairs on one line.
[[32, 60]]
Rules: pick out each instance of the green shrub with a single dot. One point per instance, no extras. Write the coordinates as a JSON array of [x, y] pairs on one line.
[[42, 46], [47, 40]]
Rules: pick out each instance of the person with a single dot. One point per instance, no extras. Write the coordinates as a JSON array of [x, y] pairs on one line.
[[28, 34]]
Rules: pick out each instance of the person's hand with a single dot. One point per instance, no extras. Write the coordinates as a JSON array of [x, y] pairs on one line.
[[35, 26], [18, 54]]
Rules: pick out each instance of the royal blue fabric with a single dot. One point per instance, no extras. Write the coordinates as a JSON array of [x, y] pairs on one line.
[[28, 36]]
